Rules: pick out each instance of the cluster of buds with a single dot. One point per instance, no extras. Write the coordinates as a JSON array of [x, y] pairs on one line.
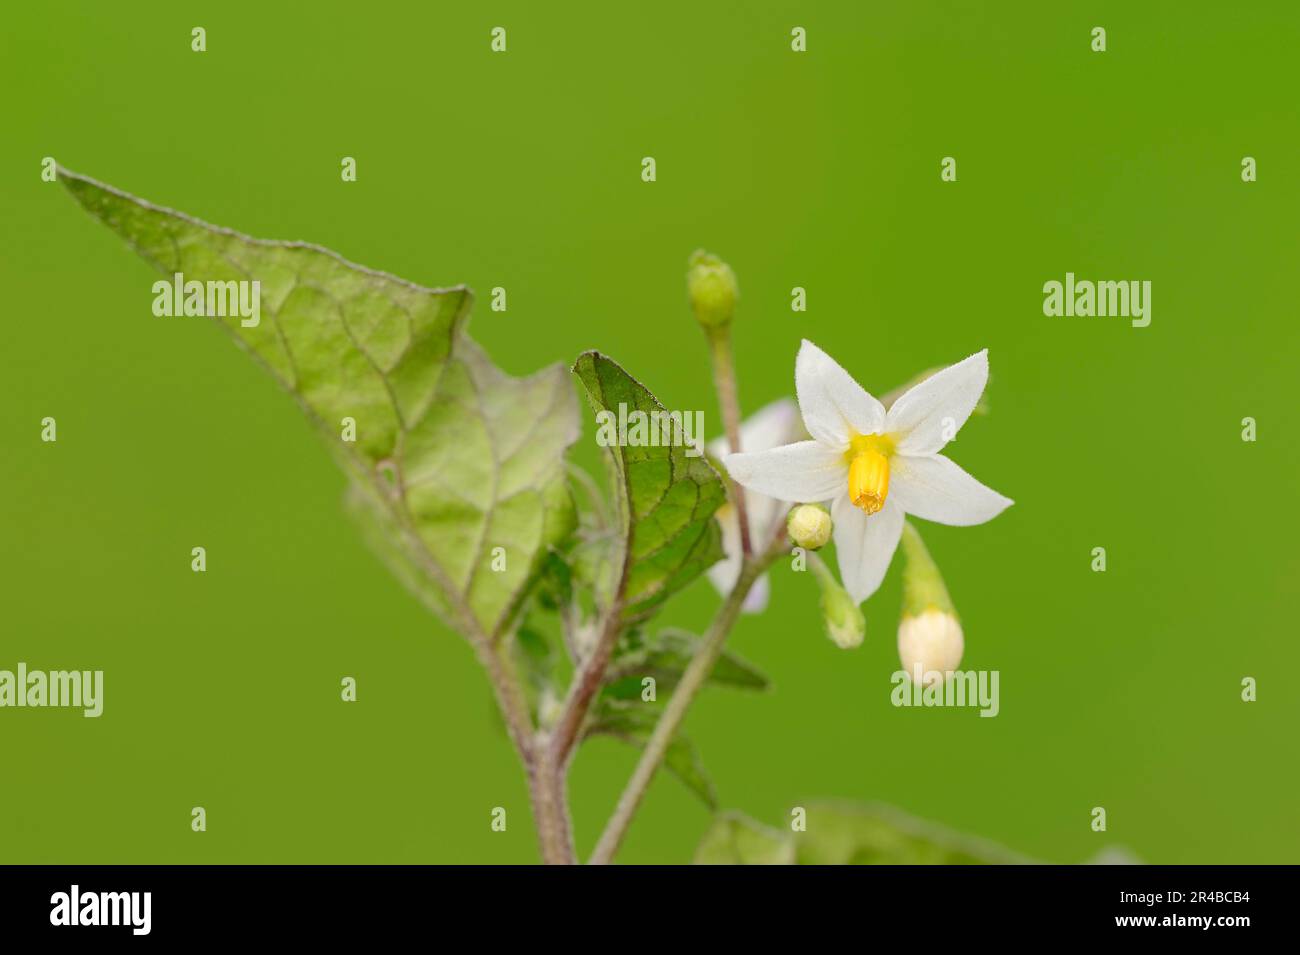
[[809, 526], [930, 641]]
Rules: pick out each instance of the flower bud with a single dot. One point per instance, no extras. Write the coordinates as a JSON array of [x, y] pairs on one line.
[[930, 645], [845, 624], [712, 288], [809, 526], [930, 639]]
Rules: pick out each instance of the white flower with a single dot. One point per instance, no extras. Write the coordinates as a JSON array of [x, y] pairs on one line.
[[875, 465], [769, 427]]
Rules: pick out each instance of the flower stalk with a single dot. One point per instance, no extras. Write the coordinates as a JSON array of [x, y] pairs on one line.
[[724, 377]]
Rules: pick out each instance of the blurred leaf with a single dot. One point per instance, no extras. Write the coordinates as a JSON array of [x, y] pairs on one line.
[[555, 582], [633, 723], [665, 500], [841, 833], [1115, 855], [683, 761], [844, 833], [452, 457], [665, 656], [735, 839], [536, 659], [595, 560]]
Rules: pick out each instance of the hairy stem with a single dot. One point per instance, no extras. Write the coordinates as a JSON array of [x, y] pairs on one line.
[[549, 797], [545, 784], [586, 683], [509, 696], [724, 377], [697, 672]]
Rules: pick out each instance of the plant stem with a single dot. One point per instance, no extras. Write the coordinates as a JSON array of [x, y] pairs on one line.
[[509, 696], [724, 377], [545, 785], [693, 679], [586, 683], [820, 570], [548, 795]]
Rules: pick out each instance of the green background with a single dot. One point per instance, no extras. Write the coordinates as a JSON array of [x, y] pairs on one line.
[[522, 170]]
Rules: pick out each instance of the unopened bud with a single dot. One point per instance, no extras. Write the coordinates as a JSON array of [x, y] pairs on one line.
[[712, 288], [930, 640], [809, 526], [845, 624], [930, 645]]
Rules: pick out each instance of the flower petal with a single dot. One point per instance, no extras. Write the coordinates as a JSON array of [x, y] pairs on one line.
[[928, 415], [756, 599], [763, 511], [724, 574], [936, 489], [805, 472], [769, 427], [865, 545], [834, 406]]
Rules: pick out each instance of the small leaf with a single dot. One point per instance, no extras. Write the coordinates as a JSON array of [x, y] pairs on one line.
[[665, 657], [456, 461], [633, 723], [683, 761], [535, 652], [555, 583], [595, 560], [666, 500], [735, 839], [537, 660]]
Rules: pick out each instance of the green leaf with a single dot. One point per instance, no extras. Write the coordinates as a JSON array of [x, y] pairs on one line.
[[666, 500], [683, 761], [484, 469], [595, 561], [452, 457], [633, 723], [665, 657], [537, 659], [842, 833], [382, 533], [845, 833], [735, 839]]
